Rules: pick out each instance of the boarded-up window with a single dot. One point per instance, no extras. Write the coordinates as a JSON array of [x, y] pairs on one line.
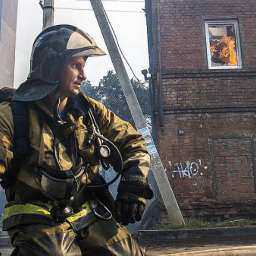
[[223, 45]]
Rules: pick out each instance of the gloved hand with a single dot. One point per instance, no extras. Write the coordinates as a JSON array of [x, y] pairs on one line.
[[129, 208]]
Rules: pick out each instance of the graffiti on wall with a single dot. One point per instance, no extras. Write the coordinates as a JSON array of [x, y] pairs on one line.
[[187, 169]]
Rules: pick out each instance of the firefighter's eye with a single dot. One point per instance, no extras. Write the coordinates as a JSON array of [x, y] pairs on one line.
[[75, 65]]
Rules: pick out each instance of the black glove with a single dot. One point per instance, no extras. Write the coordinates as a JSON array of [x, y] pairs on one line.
[[129, 208], [131, 199]]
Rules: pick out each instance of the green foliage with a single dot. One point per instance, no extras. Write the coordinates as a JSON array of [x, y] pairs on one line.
[[110, 93]]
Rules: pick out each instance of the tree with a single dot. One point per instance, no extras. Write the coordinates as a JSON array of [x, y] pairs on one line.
[[110, 93]]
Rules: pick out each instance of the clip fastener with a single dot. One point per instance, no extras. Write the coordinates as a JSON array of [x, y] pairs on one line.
[[100, 210]]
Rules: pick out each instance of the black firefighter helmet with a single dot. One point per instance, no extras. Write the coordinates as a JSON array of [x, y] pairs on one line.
[[51, 49]]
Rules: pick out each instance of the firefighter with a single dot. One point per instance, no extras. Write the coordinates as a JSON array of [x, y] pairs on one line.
[[54, 141]]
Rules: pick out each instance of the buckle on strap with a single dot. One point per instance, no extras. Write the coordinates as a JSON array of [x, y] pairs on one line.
[[76, 216], [100, 210], [78, 221], [81, 219]]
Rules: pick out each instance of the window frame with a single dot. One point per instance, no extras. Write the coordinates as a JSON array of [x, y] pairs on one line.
[[237, 37]]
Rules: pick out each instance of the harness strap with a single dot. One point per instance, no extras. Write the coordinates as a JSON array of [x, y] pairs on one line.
[[21, 130], [18, 209], [77, 221], [21, 144]]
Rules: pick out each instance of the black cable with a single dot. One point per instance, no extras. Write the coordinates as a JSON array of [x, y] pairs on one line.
[[119, 47], [88, 9], [112, 29], [96, 131], [107, 184]]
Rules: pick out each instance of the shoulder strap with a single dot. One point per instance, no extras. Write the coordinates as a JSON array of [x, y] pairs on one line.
[[21, 144]]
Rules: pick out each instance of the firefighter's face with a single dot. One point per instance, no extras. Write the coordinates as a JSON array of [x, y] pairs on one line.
[[72, 76]]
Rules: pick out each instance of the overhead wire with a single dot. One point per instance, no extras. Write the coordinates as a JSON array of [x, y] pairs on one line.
[[89, 9], [111, 27], [119, 47]]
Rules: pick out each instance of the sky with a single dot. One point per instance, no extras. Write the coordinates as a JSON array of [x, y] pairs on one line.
[[126, 16]]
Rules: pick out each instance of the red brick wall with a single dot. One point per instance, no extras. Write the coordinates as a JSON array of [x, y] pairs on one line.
[[207, 141], [210, 159], [208, 92], [182, 30]]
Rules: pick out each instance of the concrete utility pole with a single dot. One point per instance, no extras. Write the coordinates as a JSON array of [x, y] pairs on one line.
[[160, 176], [48, 12]]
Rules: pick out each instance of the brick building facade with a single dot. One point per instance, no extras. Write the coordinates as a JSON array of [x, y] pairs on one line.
[[203, 78], [8, 20]]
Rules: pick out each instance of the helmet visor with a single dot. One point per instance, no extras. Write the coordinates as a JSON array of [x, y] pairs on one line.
[[81, 44]]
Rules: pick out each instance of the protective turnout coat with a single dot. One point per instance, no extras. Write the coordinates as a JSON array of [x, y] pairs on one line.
[[59, 147]]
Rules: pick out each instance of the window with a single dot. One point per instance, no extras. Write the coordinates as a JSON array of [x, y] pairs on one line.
[[223, 45]]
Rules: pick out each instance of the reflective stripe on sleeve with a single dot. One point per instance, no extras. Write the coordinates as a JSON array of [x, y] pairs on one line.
[[25, 209], [21, 209]]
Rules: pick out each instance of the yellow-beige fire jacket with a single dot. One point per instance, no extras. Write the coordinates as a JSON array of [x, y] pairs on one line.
[[51, 154]]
